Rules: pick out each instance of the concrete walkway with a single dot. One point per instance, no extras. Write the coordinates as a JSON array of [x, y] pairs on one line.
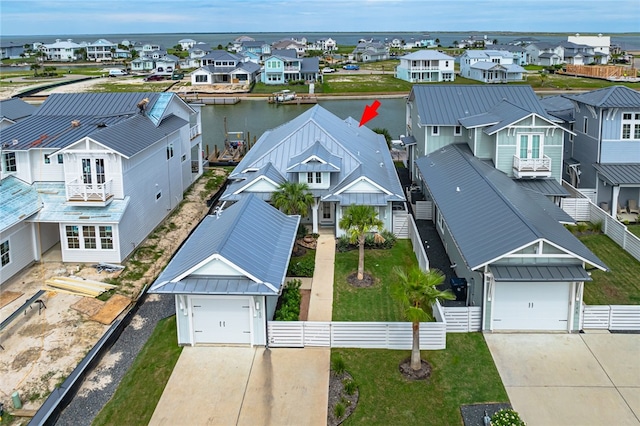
[[570, 379], [217, 385]]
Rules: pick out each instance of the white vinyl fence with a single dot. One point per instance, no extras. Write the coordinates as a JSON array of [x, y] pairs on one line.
[[611, 317], [400, 224], [463, 319], [418, 247], [370, 335]]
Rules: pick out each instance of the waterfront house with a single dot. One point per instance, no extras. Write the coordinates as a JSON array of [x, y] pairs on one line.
[[280, 69], [62, 51], [106, 169], [187, 43], [222, 67], [545, 53], [370, 51], [490, 66], [289, 44], [342, 163], [519, 53], [323, 45], [522, 266], [11, 51], [601, 46], [426, 66], [228, 274], [100, 50]]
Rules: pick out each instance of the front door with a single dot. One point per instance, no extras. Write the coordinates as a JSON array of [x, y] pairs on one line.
[[93, 171], [530, 146], [327, 213]]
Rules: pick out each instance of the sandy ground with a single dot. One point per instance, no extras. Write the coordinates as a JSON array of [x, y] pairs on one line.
[[42, 346]]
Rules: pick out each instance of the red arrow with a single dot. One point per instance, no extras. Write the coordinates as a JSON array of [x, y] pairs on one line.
[[370, 111]]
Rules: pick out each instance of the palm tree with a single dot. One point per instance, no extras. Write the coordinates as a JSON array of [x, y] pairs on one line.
[[357, 222], [416, 290], [292, 198]]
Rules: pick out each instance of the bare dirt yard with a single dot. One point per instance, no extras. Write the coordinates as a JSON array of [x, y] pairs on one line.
[[42, 346]]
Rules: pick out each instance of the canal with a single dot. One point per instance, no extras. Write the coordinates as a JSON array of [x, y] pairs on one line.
[[254, 117]]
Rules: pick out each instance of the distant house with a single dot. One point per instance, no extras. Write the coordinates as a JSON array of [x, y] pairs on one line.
[[280, 69], [545, 53], [100, 50], [323, 44], [196, 53], [259, 48], [519, 52], [523, 268], [13, 110], [289, 44], [370, 51], [490, 66], [97, 173], [475, 42], [342, 163], [603, 157], [236, 45], [62, 51], [223, 295], [10, 50], [578, 54], [187, 43], [222, 67], [600, 45], [426, 66]]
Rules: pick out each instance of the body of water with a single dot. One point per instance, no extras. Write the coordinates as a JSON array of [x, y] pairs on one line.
[[257, 116]]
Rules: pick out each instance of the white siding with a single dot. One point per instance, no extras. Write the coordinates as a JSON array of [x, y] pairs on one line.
[[217, 267], [89, 255], [21, 249]]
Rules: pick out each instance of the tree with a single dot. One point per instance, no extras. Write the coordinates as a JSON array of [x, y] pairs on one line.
[[357, 222], [292, 198], [35, 67], [416, 291], [385, 133]]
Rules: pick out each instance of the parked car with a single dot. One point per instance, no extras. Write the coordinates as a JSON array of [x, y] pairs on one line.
[[154, 77], [327, 70], [117, 72], [177, 75], [351, 67]]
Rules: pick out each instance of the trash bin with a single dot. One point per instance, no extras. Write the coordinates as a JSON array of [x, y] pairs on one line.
[[459, 288]]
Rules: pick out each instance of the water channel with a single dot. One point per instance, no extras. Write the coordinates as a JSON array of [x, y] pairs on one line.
[[254, 117]]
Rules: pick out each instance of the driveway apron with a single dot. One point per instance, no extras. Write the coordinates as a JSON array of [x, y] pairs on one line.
[[570, 379]]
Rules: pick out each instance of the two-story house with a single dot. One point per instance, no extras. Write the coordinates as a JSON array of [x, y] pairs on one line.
[[105, 170], [100, 50], [577, 54], [506, 126], [260, 48], [603, 157], [280, 69], [222, 67], [519, 52], [289, 44], [370, 51], [323, 45], [545, 53], [342, 163], [187, 43], [490, 66], [62, 51], [426, 66], [600, 44], [10, 50], [196, 53]]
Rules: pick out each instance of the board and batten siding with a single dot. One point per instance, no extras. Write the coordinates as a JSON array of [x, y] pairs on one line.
[[22, 249], [41, 172]]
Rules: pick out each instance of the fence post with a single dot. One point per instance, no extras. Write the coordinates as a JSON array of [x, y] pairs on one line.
[[610, 317]]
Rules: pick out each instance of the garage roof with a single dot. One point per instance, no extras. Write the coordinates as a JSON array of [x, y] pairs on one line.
[[528, 273]]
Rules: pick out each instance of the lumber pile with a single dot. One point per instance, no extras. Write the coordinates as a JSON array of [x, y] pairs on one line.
[[77, 286]]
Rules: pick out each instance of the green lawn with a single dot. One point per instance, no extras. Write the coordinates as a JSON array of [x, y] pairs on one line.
[[621, 285], [140, 389], [364, 83], [634, 229], [464, 373], [372, 303]]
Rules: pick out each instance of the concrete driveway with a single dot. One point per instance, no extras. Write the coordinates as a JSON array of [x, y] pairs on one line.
[[246, 386], [570, 379]]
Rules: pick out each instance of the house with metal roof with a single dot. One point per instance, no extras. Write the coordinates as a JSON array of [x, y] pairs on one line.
[[521, 265], [342, 163], [281, 68], [490, 66], [426, 66], [370, 51], [100, 50], [229, 273], [604, 155], [62, 50], [545, 53], [506, 126], [222, 67], [107, 168], [13, 110]]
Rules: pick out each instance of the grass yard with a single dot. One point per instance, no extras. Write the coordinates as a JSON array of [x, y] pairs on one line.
[[373, 303], [140, 390], [620, 286], [464, 373], [364, 83], [634, 229]]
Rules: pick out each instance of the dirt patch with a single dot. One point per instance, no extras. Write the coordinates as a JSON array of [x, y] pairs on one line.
[[305, 297], [338, 395], [25, 358], [367, 280], [111, 309], [410, 374]]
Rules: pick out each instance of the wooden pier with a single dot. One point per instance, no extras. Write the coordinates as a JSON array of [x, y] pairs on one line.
[[210, 100]]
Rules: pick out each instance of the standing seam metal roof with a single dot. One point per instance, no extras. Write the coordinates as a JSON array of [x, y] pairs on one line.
[[609, 97]]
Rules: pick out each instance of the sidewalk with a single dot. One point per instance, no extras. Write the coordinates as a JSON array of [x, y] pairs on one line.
[[321, 302]]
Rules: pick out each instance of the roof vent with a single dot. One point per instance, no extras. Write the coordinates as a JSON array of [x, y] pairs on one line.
[[75, 123], [102, 124]]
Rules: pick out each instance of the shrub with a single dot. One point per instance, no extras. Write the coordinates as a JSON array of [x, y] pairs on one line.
[[596, 227], [582, 227], [389, 240], [369, 241], [507, 417], [343, 244], [339, 410], [349, 387], [338, 365], [303, 267], [289, 309]]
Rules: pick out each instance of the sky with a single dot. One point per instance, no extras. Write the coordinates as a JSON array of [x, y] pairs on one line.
[[51, 17]]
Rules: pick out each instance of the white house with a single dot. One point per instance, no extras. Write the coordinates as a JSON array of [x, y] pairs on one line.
[[106, 169], [601, 45], [100, 50], [490, 66], [426, 66], [62, 50]]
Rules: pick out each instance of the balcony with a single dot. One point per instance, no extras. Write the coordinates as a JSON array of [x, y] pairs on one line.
[[86, 194], [194, 131], [531, 167]]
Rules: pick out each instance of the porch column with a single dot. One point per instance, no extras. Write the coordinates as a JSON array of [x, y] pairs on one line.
[[614, 201], [314, 215], [200, 159]]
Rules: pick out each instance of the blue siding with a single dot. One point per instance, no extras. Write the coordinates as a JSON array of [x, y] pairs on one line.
[[620, 152]]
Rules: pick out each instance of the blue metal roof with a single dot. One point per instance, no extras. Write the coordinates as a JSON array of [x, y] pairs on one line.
[[487, 214], [619, 174], [18, 201], [546, 186], [249, 235], [609, 97], [16, 109], [543, 273]]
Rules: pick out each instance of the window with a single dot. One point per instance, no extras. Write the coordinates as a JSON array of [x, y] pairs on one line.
[[10, 162], [73, 237], [318, 177], [106, 237], [440, 221], [159, 195], [60, 158], [47, 159], [169, 151], [4, 253], [631, 126], [309, 177], [100, 170], [86, 170], [530, 146], [435, 130], [183, 158], [326, 210], [585, 125], [570, 134], [89, 235], [457, 130], [201, 78]]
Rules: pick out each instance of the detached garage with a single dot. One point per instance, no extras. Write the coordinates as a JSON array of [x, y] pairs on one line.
[[229, 273]]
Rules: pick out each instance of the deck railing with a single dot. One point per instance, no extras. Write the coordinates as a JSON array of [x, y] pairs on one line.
[[79, 191]]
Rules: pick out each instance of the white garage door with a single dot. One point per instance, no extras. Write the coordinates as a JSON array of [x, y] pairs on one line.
[[224, 320], [531, 306]]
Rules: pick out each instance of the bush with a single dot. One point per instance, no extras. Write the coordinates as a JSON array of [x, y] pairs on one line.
[[339, 410], [303, 267], [387, 241], [507, 417], [349, 386], [338, 365], [343, 244], [289, 309]]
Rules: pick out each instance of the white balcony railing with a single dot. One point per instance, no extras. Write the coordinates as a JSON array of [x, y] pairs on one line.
[[98, 193], [523, 167], [194, 131]]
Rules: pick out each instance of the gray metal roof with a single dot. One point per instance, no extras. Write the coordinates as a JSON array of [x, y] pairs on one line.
[[445, 105], [609, 97], [18, 201], [487, 214], [310, 64], [360, 199], [251, 235], [361, 151], [426, 55], [619, 174], [559, 106], [533, 273], [546, 186], [332, 162], [16, 109], [549, 207]]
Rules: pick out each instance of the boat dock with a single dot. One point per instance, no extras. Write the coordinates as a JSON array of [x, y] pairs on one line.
[[210, 100]]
